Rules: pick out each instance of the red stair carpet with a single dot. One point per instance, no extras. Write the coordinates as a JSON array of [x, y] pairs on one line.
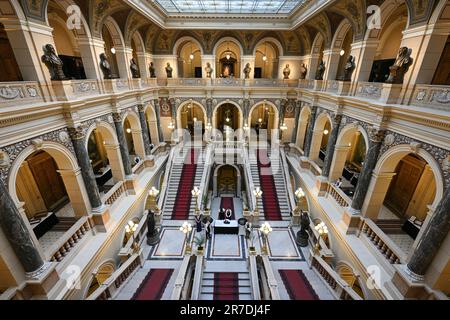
[[154, 284], [184, 196], [297, 286], [226, 286], [269, 196], [227, 203]]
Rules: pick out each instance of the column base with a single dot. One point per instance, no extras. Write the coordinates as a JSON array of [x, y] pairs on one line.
[[351, 220], [131, 184], [322, 185], [101, 219], [42, 281], [406, 284]]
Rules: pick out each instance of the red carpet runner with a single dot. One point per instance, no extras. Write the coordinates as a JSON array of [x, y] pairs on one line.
[[226, 286], [227, 203], [154, 284], [183, 200], [297, 286], [269, 196]]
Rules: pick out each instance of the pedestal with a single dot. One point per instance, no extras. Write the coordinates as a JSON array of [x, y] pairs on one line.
[[109, 86], [318, 85], [149, 161], [101, 218], [40, 284], [304, 163], [302, 239], [63, 89], [322, 185], [351, 220], [131, 184], [343, 88], [154, 238], [136, 83], [390, 93]]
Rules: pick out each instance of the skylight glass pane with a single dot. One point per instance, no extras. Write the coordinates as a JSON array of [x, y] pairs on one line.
[[229, 6]]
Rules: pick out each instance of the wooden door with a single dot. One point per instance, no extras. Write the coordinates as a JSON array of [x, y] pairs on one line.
[[404, 184], [49, 181]]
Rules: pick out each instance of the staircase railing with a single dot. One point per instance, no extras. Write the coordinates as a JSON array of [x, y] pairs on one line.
[[205, 176], [163, 193], [198, 277], [271, 281], [248, 180], [254, 282], [139, 236], [290, 193], [182, 278]]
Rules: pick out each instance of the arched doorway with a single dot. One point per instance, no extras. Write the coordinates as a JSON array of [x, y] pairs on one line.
[[405, 188], [9, 69], [111, 40], [348, 275], [192, 117], [189, 59], [303, 125], [321, 132], [266, 60], [227, 181], [344, 53], [101, 274], [348, 158], [227, 118], [263, 119], [152, 124], [133, 136], [228, 59]]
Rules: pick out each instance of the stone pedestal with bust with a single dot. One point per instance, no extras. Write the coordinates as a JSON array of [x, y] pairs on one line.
[[151, 69], [53, 63], [400, 67], [320, 71], [105, 67], [134, 69], [286, 72], [303, 71], [169, 70], [348, 69]]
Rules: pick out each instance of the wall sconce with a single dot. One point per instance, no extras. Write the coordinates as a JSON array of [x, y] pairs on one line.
[[128, 130], [325, 132], [113, 50], [171, 126], [342, 52], [283, 127]]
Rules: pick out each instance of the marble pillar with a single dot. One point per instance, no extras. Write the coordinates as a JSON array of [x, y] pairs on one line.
[[331, 144], [298, 108], [145, 131], [376, 137], [78, 137], [432, 238], [158, 120], [209, 108], [122, 144], [309, 133], [16, 232]]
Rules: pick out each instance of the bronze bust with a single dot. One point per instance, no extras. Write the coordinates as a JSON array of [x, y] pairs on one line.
[[105, 67], [348, 69], [134, 69], [286, 72], [400, 67], [247, 70], [151, 68], [53, 63], [208, 70], [303, 71], [320, 71], [169, 70]]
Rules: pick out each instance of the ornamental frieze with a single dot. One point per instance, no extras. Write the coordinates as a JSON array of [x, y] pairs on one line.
[[86, 125], [11, 152]]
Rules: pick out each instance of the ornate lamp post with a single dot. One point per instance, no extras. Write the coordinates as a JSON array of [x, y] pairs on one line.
[[186, 228], [258, 193], [130, 228], [265, 229], [299, 194], [196, 193], [323, 231], [153, 193]]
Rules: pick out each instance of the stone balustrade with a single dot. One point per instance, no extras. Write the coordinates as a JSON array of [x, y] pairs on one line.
[[20, 92], [68, 241], [340, 289], [82, 88], [382, 242], [115, 193], [339, 196], [371, 90], [139, 236], [431, 96]]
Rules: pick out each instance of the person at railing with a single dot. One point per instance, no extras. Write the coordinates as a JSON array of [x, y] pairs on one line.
[[338, 183]]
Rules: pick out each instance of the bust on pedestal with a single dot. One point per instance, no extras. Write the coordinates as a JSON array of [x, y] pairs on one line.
[[400, 67], [208, 70], [53, 63], [302, 235], [169, 70], [303, 71], [152, 232], [247, 70], [286, 72]]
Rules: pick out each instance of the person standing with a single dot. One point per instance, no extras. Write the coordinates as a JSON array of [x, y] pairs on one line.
[[198, 223], [208, 229]]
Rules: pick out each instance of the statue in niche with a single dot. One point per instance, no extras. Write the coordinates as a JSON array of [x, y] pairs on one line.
[[151, 68], [53, 63], [286, 72], [169, 70], [134, 69], [105, 67], [247, 71], [348, 69], [152, 232], [400, 67], [303, 71], [320, 71], [302, 235], [208, 70]]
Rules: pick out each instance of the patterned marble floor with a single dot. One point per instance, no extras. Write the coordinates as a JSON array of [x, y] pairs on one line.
[[403, 241]]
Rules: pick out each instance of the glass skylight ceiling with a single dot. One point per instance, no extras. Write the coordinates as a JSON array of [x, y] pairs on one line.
[[229, 6]]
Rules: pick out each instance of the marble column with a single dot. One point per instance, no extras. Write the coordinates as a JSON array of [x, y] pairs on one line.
[[298, 108], [173, 108], [122, 144], [331, 144], [376, 138], [432, 239], [78, 141], [17, 234], [246, 106], [209, 107], [158, 120], [145, 131], [309, 133]]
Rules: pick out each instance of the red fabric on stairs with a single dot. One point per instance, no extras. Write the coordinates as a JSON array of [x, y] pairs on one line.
[[182, 204], [269, 197], [297, 286], [226, 286], [154, 284]]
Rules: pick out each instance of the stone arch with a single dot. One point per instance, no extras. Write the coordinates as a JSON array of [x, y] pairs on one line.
[[438, 11], [111, 144], [105, 269], [348, 274], [17, 8], [230, 38], [274, 41], [340, 34], [303, 119], [317, 43], [84, 30], [67, 167], [150, 116], [387, 8], [216, 108], [115, 32], [186, 66], [215, 177], [182, 40], [196, 103], [318, 132], [136, 132], [342, 148], [276, 120]]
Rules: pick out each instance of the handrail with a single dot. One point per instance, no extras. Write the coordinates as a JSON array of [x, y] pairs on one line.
[[339, 196], [162, 194], [253, 269], [248, 179], [206, 171], [272, 282], [110, 287], [383, 243], [198, 276], [339, 288], [290, 195], [114, 193], [180, 280]]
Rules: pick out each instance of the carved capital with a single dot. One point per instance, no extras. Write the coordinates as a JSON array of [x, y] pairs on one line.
[[140, 107], [76, 133], [376, 135], [117, 117], [37, 143]]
